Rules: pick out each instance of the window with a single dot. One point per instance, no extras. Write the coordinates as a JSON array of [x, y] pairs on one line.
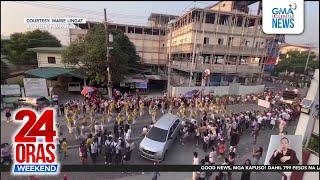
[[247, 43], [220, 41], [206, 40], [257, 44], [138, 30], [162, 45], [157, 134], [52, 60], [175, 124], [230, 40], [171, 132], [130, 29]]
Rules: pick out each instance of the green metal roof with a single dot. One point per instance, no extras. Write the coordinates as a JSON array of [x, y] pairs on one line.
[[51, 72], [48, 49]]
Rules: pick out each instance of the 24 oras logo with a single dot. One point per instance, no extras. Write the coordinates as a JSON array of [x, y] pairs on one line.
[[35, 150]]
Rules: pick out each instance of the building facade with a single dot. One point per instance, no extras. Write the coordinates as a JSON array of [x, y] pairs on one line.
[[224, 38], [150, 41]]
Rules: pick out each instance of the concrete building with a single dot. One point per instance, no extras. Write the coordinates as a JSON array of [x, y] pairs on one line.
[[291, 47], [51, 67], [150, 41], [224, 38], [49, 56]]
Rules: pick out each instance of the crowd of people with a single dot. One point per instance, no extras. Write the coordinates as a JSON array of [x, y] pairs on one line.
[[206, 121]]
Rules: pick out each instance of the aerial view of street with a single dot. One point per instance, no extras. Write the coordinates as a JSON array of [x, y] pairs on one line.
[[161, 83]]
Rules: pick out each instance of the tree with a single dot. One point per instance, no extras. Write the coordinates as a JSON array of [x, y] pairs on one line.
[[16, 49], [295, 61], [90, 54]]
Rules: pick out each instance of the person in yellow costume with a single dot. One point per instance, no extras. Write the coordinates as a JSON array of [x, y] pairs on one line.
[[195, 111], [141, 108], [126, 108], [109, 117], [211, 107], [150, 110], [190, 110], [180, 111], [183, 111], [213, 130], [134, 115], [130, 118], [120, 118], [104, 118], [170, 108], [206, 108], [69, 122], [154, 114], [111, 108]]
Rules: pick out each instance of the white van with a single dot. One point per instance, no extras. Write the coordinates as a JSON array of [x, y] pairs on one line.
[[160, 137], [74, 87]]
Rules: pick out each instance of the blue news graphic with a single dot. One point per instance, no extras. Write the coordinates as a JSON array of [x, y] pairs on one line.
[[283, 17], [39, 168]]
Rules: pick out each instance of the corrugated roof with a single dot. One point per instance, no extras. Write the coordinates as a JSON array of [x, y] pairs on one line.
[[52, 72], [48, 49]]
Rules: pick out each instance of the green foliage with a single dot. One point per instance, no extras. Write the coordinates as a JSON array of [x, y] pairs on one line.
[[16, 48], [295, 61], [91, 54], [314, 143]]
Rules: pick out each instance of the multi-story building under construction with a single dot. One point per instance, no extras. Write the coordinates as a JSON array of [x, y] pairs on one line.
[[224, 38]]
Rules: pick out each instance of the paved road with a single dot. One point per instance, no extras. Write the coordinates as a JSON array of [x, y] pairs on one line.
[[178, 154]]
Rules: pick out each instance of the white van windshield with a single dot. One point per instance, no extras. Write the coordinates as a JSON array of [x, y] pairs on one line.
[[157, 134]]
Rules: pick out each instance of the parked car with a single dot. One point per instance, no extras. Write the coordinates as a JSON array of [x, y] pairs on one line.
[[35, 102], [160, 137]]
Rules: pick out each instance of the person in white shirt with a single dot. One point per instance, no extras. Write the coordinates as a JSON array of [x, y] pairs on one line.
[[212, 156], [128, 135], [206, 142], [273, 122], [195, 161], [144, 131], [94, 150], [96, 128]]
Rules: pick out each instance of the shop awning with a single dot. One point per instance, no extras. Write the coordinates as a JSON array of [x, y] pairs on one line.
[[155, 77], [52, 72]]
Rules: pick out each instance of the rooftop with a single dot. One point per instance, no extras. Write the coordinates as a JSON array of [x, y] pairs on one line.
[[48, 49], [52, 72], [301, 46]]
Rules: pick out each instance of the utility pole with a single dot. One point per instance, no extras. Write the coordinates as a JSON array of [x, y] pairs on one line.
[[305, 68], [109, 85], [169, 64], [194, 52]]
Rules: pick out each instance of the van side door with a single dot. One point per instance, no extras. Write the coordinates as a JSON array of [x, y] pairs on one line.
[[173, 132]]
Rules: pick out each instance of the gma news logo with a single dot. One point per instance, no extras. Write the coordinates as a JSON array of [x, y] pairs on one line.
[[283, 17], [34, 143]]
